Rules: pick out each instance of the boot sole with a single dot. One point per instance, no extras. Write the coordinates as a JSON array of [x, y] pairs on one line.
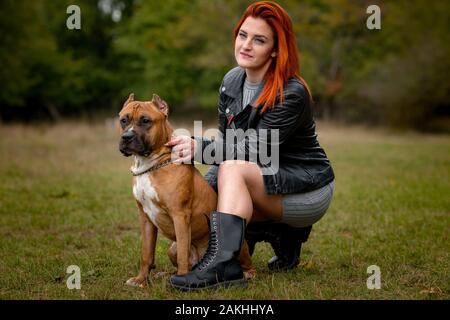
[[283, 267], [226, 284]]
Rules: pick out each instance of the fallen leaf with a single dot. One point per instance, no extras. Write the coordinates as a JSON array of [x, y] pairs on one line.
[[431, 290]]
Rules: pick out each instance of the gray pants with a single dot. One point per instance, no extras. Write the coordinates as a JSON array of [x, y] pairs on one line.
[[305, 209]]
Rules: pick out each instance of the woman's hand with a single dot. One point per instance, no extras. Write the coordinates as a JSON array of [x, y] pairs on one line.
[[183, 149]]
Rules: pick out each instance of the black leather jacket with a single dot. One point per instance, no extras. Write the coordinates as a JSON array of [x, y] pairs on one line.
[[303, 164]]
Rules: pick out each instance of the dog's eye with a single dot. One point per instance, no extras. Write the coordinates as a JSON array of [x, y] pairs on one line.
[[123, 121], [145, 120]]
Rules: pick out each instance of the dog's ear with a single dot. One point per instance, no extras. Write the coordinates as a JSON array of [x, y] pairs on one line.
[[130, 99], [161, 104]]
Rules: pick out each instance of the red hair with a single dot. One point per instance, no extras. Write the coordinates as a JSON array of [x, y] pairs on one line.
[[286, 64]]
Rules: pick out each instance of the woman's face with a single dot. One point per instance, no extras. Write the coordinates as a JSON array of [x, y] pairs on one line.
[[254, 44]]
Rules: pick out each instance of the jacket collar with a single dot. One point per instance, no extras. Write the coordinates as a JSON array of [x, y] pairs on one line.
[[233, 85]]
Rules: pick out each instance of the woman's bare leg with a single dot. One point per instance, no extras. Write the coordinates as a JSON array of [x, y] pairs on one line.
[[241, 192]]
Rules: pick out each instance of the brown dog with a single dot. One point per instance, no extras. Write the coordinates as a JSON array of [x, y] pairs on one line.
[[171, 198]]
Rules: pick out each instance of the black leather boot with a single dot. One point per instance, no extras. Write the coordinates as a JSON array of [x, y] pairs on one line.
[[287, 248], [220, 265], [286, 242], [258, 232]]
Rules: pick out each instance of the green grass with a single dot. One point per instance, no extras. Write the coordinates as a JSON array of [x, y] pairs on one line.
[[65, 199]]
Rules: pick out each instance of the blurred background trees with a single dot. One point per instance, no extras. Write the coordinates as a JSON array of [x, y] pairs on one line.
[[396, 76]]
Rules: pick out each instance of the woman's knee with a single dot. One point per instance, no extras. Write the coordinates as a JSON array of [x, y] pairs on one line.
[[230, 169]]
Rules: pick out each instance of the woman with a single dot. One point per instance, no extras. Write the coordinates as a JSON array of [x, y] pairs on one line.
[[265, 93]]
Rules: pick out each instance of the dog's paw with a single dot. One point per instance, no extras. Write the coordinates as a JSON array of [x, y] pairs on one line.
[[250, 274], [137, 282]]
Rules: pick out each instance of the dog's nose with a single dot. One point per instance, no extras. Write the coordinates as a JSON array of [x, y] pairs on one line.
[[127, 136]]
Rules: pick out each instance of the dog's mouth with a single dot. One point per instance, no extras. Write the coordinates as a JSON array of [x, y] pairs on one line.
[[145, 153], [128, 150], [125, 153]]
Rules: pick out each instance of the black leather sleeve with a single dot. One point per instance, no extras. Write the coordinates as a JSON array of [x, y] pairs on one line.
[[284, 117]]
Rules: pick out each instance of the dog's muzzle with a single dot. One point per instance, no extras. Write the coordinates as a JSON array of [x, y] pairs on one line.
[[129, 145], [126, 138]]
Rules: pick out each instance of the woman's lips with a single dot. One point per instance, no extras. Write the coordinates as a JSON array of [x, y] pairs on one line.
[[245, 55]]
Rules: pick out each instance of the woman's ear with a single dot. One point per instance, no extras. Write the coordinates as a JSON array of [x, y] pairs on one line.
[[274, 54]]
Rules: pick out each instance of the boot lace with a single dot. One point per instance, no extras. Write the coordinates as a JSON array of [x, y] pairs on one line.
[[211, 251]]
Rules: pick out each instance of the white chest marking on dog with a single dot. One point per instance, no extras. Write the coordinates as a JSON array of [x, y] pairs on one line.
[[145, 193]]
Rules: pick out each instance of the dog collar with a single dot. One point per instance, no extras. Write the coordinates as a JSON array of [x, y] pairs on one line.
[[156, 167]]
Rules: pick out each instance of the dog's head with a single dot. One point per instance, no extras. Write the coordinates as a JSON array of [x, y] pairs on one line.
[[144, 126]]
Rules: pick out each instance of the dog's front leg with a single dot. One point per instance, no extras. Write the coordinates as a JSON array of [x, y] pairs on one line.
[[148, 243], [182, 225], [246, 262]]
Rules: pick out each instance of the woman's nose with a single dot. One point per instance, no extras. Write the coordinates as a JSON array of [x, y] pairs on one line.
[[247, 44]]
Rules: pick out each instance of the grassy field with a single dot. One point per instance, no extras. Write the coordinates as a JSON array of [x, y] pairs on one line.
[[65, 199]]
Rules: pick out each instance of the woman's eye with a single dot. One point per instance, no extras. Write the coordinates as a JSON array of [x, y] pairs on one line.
[[242, 35], [260, 41]]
